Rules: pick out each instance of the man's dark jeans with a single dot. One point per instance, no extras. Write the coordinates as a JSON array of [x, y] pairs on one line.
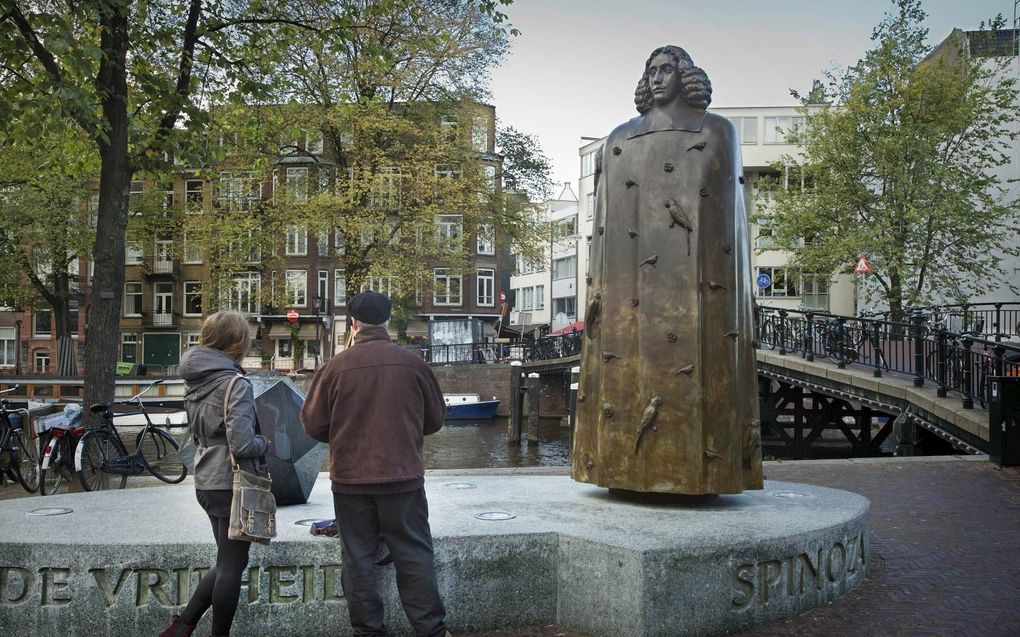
[[402, 521]]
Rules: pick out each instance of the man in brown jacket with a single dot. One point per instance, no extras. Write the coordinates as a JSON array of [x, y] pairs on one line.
[[374, 403]]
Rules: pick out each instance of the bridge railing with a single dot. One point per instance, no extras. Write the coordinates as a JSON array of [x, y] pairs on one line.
[[545, 348], [923, 348]]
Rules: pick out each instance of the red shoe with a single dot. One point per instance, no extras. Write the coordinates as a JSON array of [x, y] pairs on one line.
[[178, 628]]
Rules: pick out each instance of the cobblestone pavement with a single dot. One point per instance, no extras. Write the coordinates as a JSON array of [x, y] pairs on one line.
[[945, 552]]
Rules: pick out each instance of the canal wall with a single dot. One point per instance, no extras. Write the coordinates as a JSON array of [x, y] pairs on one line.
[[490, 381]]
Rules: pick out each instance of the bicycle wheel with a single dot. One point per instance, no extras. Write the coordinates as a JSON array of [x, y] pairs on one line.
[[94, 449], [28, 462], [159, 449], [57, 473]]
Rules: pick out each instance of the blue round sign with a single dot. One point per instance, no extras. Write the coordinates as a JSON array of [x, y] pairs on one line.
[[764, 280]]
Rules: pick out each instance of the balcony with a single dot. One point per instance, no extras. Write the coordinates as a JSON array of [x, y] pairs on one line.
[[162, 319], [161, 267]]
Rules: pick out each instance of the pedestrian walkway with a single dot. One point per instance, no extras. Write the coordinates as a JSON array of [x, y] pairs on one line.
[[945, 551]]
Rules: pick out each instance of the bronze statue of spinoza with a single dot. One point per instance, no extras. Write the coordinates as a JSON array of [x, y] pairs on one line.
[[668, 391]]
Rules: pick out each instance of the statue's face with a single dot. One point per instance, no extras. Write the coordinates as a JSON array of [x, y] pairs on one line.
[[663, 79]]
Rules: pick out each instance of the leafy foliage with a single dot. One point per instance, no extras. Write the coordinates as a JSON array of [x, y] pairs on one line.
[[903, 168]]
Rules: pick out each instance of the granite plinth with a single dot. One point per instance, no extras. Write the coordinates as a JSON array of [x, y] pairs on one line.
[[510, 551]]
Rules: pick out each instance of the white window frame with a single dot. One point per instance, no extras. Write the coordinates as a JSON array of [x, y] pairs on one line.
[[588, 163], [485, 239], [133, 294], [296, 287], [572, 270], [485, 287], [133, 252], [323, 290], [191, 254], [339, 288], [162, 303], [239, 191], [386, 190], [773, 291], [449, 231], [8, 347], [444, 280], [242, 293], [297, 184], [539, 297], [297, 241], [778, 128], [381, 284], [527, 298]]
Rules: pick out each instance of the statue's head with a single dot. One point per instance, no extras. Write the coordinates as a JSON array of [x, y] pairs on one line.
[[670, 74]]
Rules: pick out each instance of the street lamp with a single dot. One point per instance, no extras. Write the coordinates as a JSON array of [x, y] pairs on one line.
[[317, 306]]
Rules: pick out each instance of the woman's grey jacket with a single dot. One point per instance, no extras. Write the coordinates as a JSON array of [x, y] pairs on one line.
[[206, 372]]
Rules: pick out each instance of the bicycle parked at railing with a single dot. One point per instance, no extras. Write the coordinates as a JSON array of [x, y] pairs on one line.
[[102, 458], [19, 452], [59, 443]]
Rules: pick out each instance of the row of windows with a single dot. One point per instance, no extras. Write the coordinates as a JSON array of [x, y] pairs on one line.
[[530, 298], [241, 190], [812, 289], [562, 268], [243, 293], [449, 229], [778, 130]]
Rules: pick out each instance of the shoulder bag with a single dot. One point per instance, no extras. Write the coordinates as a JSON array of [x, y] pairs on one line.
[[252, 506]]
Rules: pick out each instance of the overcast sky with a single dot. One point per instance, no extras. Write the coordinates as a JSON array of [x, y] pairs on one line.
[[573, 70]]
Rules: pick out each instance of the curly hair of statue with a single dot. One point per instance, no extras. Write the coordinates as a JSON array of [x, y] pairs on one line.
[[696, 89]]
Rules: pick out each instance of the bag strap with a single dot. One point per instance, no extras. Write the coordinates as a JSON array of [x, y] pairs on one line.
[[258, 430]]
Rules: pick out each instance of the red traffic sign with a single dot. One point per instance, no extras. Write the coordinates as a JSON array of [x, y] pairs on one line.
[[292, 315], [502, 295], [863, 266]]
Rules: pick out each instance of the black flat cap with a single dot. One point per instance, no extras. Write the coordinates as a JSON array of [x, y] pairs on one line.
[[370, 307]]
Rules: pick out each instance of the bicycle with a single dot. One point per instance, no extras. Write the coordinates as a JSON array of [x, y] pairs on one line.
[[61, 441], [19, 454], [862, 334], [101, 454]]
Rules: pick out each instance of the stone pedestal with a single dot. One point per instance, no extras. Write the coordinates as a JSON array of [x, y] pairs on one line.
[[511, 550]]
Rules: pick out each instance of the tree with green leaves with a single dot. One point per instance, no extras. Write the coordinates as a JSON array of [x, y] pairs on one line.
[[45, 206], [902, 167], [395, 101], [135, 78]]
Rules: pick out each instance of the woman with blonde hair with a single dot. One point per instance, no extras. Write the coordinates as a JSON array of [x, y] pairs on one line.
[[207, 370]]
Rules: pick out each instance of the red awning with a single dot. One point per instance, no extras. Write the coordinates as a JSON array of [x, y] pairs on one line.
[[576, 326]]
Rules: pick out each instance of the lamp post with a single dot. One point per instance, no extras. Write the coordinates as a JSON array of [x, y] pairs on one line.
[[17, 341], [317, 306]]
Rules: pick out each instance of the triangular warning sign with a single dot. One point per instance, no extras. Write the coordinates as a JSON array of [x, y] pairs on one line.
[[863, 267]]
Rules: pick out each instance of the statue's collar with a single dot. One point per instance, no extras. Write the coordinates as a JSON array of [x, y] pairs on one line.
[[667, 119]]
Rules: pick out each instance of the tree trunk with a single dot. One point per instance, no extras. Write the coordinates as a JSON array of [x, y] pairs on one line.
[[66, 364], [103, 320]]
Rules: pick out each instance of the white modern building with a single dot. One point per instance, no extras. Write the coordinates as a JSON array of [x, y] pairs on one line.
[[544, 290]]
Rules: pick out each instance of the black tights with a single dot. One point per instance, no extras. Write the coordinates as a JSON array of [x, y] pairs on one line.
[[221, 585]]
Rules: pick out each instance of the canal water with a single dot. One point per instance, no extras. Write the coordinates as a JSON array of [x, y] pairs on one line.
[[463, 444]]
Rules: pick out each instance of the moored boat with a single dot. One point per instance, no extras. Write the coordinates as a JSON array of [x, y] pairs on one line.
[[469, 407]]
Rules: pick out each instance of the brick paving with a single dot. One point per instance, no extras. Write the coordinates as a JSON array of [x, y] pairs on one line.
[[945, 552]]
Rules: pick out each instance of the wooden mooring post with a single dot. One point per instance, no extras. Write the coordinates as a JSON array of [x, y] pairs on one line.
[[575, 377], [513, 426], [534, 406]]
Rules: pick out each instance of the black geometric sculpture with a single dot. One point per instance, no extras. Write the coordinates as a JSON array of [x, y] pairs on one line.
[[294, 459]]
